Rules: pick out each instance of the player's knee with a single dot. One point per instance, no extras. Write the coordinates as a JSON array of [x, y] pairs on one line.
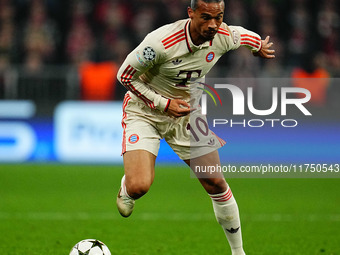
[[138, 188], [215, 186]]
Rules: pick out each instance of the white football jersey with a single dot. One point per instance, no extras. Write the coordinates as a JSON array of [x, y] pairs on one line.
[[165, 64]]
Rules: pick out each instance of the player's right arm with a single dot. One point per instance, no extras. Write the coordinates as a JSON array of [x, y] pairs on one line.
[[139, 61], [178, 108], [144, 57]]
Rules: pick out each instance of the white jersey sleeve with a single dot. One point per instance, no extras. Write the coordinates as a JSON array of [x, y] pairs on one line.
[[147, 54], [239, 36]]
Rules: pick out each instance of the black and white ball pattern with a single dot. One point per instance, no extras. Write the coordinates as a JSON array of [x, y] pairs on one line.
[[90, 247], [149, 53]]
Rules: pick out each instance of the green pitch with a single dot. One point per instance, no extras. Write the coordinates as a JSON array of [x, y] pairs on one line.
[[46, 209]]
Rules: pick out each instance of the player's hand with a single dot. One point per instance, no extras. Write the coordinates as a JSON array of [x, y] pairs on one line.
[[178, 108], [266, 51]]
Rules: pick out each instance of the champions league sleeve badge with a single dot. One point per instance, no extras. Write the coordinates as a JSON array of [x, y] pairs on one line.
[[149, 53]]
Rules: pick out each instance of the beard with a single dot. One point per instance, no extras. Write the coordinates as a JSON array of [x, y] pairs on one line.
[[209, 34]]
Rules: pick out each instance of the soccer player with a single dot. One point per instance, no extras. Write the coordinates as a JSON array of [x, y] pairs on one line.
[[162, 76]]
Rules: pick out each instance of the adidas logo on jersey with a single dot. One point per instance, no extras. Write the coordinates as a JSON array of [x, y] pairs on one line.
[[211, 142], [177, 61]]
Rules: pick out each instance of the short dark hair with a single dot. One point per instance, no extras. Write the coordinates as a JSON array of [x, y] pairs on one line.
[[194, 3]]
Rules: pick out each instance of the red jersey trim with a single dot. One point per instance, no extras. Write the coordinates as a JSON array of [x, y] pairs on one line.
[[251, 40], [222, 198], [174, 39], [126, 79], [251, 36], [250, 44], [179, 39], [223, 31], [173, 35], [222, 142], [167, 105], [186, 28], [127, 98]]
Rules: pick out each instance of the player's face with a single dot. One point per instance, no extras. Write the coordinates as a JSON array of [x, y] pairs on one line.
[[205, 21]]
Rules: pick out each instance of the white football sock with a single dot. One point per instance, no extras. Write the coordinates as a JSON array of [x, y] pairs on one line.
[[122, 184], [227, 215]]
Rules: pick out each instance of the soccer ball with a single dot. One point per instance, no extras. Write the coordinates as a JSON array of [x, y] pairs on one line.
[[90, 247]]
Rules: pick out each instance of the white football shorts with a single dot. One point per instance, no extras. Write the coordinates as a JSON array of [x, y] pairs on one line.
[[143, 128]]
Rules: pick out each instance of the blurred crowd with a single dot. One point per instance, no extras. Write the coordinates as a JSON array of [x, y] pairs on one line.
[[34, 33]]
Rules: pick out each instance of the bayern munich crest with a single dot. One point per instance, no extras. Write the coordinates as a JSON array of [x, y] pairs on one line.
[[133, 138], [149, 53], [210, 56]]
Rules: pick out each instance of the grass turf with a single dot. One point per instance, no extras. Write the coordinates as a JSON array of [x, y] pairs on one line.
[[46, 209]]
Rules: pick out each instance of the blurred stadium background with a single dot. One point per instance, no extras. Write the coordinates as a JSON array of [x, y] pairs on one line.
[[55, 51]]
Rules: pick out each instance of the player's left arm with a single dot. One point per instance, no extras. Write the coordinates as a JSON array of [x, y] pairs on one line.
[[239, 36], [265, 51]]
